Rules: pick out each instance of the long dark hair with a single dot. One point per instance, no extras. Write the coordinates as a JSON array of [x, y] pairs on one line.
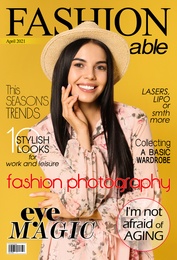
[[119, 155]]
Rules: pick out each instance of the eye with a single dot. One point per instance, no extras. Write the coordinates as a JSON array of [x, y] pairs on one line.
[[102, 67], [79, 65]]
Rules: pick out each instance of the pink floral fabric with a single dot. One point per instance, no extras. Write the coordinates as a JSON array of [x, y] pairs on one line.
[[80, 201]]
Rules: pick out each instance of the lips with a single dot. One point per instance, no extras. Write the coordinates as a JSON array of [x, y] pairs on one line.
[[86, 87]]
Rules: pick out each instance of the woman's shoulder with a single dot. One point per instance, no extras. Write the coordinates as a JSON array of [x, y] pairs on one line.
[[130, 117], [124, 110]]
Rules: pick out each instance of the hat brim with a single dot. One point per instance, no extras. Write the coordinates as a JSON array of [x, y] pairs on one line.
[[117, 45]]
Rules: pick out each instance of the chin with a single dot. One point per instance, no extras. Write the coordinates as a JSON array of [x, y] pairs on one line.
[[86, 100]]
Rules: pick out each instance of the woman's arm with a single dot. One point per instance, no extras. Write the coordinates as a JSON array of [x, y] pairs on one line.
[[74, 169], [51, 200]]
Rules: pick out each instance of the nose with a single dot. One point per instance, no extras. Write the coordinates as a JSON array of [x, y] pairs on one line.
[[90, 73]]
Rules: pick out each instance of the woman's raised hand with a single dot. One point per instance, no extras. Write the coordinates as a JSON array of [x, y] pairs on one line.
[[71, 111], [75, 117]]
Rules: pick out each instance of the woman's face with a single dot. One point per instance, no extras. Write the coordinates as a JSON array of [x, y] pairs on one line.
[[88, 73]]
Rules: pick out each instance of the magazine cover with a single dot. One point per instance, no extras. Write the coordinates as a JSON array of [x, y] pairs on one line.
[[88, 129]]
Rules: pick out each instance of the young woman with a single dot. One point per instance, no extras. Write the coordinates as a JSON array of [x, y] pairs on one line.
[[94, 141]]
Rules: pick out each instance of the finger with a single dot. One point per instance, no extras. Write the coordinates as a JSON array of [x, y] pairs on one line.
[[73, 100], [66, 92], [41, 194], [45, 203], [62, 92], [68, 107], [66, 101]]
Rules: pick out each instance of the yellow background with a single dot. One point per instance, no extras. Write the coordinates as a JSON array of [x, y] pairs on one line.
[[20, 66]]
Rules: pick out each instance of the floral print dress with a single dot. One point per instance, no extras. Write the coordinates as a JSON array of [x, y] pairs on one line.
[[80, 201]]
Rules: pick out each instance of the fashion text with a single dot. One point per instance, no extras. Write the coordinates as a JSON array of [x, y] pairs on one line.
[[92, 183]]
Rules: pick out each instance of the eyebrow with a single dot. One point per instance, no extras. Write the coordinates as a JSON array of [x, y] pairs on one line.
[[98, 62]]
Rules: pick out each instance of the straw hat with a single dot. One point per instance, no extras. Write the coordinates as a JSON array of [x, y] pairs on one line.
[[116, 44]]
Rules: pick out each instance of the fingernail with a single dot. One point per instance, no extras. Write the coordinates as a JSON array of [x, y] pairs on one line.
[[68, 85], [62, 88], [32, 195]]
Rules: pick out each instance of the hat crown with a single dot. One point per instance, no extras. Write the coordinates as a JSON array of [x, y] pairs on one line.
[[87, 24]]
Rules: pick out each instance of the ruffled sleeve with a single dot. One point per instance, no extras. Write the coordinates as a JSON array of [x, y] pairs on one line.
[[145, 167], [76, 176]]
